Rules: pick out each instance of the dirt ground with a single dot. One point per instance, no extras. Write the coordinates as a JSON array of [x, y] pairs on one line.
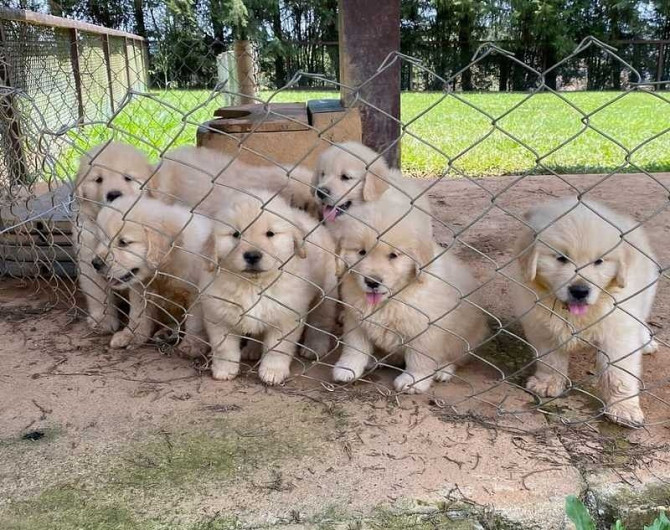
[[103, 439]]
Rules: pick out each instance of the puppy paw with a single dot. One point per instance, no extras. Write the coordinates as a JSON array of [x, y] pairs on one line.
[[652, 347], [123, 339], [346, 373], [547, 385], [626, 413], [442, 376], [103, 324], [409, 384], [274, 371], [193, 348], [224, 370]]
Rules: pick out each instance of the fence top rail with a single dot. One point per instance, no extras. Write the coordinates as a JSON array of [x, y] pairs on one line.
[[40, 19]]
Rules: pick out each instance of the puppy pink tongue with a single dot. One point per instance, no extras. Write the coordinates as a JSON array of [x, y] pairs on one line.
[[329, 213], [373, 298], [578, 309]]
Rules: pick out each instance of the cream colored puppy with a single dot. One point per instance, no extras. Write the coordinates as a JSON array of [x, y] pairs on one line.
[[156, 252], [106, 173], [587, 278], [349, 175], [276, 270], [204, 178], [403, 294]]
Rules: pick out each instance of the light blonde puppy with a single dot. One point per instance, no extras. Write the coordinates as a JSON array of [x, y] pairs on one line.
[[402, 295], [156, 252], [106, 173], [276, 270], [349, 175], [587, 277], [204, 178]]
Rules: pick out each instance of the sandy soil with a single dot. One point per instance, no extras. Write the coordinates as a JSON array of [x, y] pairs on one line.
[[149, 436]]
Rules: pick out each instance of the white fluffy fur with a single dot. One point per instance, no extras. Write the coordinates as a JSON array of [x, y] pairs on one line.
[[108, 168], [421, 314], [614, 315], [156, 252], [271, 302]]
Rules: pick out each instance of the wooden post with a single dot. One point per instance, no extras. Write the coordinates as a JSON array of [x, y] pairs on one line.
[[125, 54], [244, 64], [144, 46], [18, 172], [369, 31], [76, 71], [108, 64], [661, 64]]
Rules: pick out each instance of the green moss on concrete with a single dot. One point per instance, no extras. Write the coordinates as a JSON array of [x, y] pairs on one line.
[[635, 508]]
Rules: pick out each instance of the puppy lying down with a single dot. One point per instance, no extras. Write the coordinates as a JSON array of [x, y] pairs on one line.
[[404, 295], [275, 273], [586, 278]]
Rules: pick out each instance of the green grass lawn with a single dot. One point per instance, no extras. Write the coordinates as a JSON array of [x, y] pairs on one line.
[[473, 134]]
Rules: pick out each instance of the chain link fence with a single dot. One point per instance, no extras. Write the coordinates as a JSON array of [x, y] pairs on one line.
[[283, 251]]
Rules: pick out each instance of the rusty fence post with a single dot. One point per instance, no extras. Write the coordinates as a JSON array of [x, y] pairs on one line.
[[108, 65], [76, 72], [369, 32], [18, 171]]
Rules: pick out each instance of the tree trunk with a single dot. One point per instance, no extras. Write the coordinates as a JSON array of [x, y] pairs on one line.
[[244, 62], [140, 26], [280, 62]]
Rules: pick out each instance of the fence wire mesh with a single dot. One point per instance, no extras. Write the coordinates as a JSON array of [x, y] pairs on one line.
[[283, 250]]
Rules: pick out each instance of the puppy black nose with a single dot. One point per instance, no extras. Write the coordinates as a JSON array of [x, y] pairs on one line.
[[579, 292], [322, 193], [252, 257], [97, 263], [111, 195], [372, 283]]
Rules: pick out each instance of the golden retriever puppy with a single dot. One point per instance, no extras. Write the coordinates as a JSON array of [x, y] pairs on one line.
[[106, 173], [204, 178], [156, 252], [586, 277], [403, 294], [276, 271], [349, 175]]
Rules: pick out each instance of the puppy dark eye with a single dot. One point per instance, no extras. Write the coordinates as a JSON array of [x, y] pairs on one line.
[[128, 178], [236, 235], [123, 242], [393, 255], [362, 252], [98, 180], [270, 233], [598, 262], [345, 177], [563, 259]]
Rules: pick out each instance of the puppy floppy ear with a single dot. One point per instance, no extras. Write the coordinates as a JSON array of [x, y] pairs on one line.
[[624, 255], [209, 252], [375, 181], [158, 245], [299, 242], [527, 250], [421, 254], [340, 265]]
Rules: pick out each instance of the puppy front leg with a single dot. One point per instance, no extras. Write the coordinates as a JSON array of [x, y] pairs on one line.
[[225, 348], [320, 325], [140, 321], [356, 353], [280, 347], [551, 365], [194, 343], [420, 369], [100, 302], [619, 364]]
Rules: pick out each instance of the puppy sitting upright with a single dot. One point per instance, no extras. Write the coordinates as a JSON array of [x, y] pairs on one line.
[[587, 277], [106, 173], [157, 252], [404, 295], [276, 270]]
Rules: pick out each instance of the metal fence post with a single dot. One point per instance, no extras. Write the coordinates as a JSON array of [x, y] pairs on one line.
[[661, 64], [125, 54], [76, 71], [16, 161], [108, 65]]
